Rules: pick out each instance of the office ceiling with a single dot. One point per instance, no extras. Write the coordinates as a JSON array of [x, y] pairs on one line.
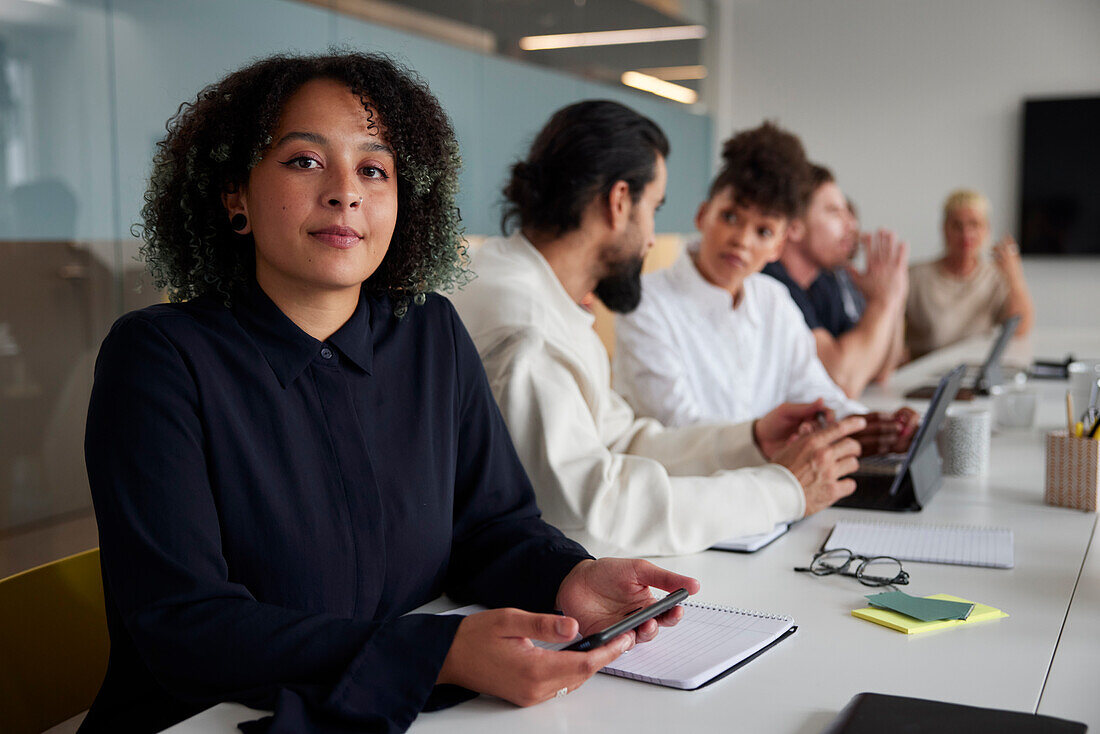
[[509, 20]]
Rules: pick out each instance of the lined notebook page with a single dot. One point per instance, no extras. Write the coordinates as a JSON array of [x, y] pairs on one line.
[[706, 642], [954, 544]]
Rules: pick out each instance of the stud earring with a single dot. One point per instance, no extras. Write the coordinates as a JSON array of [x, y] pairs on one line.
[[238, 222]]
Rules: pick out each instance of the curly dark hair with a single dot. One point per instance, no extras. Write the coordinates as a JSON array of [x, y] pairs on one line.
[[583, 150], [767, 168], [213, 143]]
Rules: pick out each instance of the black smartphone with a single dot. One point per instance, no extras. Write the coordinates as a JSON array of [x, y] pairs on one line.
[[631, 621]]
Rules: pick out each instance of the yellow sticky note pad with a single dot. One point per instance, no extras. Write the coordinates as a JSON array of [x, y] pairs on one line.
[[911, 626]]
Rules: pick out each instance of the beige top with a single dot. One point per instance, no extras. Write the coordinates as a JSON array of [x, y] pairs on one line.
[[943, 309]]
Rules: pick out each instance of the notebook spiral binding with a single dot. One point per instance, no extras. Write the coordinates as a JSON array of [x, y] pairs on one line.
[[737, 610]]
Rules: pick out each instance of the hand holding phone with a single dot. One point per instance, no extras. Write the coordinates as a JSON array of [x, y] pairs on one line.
[[628, 623]]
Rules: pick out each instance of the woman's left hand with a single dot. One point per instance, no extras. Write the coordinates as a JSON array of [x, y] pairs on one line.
[[888, 432], [908, 422], [599, 593]]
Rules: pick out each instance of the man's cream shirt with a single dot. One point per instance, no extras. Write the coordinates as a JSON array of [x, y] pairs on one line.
[[615, 483]]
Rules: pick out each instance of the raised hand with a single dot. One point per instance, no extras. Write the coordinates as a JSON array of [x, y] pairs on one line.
[[1006, 256], [886, 276]]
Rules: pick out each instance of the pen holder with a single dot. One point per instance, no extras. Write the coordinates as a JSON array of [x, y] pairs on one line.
[[1073, 471]]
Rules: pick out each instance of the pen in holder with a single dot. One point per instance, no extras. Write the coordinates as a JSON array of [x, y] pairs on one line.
[[1073, 471]]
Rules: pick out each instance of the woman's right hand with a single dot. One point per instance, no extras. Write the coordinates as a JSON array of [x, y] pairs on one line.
[[492, 653], [1006, 256]]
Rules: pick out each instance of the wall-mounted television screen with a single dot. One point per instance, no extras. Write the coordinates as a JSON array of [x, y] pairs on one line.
[[1060, 189]]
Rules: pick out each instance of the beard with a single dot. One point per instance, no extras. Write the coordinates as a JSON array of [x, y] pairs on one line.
[[621, 289]]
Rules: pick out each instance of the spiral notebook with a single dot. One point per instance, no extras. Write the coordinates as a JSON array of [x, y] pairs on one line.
[[709, 643], [954, 544]]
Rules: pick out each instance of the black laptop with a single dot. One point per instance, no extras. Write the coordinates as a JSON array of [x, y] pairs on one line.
[[906, 482], [989, 373]]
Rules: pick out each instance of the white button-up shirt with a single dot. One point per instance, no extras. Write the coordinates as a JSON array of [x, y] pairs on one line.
[[686, 355], [615, 483]]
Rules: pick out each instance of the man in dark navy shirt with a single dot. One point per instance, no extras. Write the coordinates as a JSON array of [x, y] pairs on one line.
[[822, 304], [854, 352]]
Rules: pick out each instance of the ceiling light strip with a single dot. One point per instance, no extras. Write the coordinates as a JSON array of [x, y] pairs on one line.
[[661, 88], [676, 73], [613, 38]]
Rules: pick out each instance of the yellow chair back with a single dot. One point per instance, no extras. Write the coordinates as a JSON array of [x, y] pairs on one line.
[[53, 642]]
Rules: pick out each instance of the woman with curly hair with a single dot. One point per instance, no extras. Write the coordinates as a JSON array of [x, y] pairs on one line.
[[303, 447], [714, 339]]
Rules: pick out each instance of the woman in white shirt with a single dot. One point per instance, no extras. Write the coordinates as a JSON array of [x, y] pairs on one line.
[[713, 340]]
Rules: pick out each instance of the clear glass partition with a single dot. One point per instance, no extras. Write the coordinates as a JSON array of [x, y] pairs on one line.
[[60, 270], [86, 87]]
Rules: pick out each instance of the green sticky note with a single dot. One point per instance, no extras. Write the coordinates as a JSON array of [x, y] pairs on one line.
[[924, 609], [911, 626]]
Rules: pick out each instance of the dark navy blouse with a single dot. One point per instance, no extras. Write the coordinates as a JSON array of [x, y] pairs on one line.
[[269, 506]]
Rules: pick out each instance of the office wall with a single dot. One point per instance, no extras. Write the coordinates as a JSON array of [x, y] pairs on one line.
[[120, 69], [908, 100]]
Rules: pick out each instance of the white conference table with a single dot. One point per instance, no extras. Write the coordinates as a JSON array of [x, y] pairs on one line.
[[1044, 657]]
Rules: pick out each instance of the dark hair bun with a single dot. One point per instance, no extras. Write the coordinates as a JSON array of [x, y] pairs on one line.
[[767, 168], [581, 152], [523, 188]]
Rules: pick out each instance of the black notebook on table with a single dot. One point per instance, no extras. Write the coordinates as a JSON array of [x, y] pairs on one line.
[[876, 713]]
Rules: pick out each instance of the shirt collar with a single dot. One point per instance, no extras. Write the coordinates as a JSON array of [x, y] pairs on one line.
[[698, 289], [562, 302], [778, 271], [288, 349], [354, 339]]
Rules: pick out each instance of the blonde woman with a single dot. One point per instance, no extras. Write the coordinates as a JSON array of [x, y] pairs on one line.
[[962, 294]]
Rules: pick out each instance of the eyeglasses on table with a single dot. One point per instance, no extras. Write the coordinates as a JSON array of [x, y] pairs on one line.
[[874, 571]]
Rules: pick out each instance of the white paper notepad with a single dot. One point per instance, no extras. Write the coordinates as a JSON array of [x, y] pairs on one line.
[[752, 543], [954, 544], [708, 643]]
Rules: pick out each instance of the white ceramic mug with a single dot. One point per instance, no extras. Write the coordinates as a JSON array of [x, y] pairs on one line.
[[964, 441]]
